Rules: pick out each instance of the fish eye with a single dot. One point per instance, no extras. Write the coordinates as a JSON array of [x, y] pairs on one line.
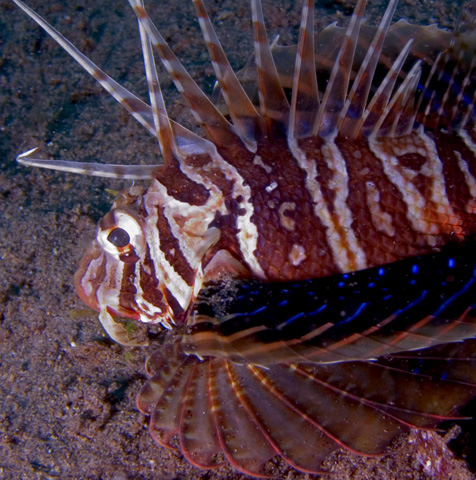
[[119, 237], [119, 231]]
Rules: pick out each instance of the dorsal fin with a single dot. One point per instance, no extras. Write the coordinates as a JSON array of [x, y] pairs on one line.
[[187, 141], [469, 111], [394, 110], [422, 100], [167, 144], [359, 93], [305, 92], [377, 106], [404, 122], [219, 130], [448, 98], [273, 102], [242, 111], [452, 86], [337, 87], [139, 110], [464, 43], [464, 101]]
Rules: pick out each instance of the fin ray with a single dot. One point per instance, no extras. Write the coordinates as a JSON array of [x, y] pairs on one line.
[[216, 126], [165, 135], [104, 170], [273, 102], [359, 93], [336, 91], [242, 111], [380, 99], [305, 92]]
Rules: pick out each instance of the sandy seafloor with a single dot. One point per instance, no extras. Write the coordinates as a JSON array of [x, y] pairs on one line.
[[67, 393]]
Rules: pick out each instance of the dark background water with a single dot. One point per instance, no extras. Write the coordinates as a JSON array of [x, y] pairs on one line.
[[66, 391]]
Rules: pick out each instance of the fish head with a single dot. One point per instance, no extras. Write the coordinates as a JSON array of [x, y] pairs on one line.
[[134, 268]]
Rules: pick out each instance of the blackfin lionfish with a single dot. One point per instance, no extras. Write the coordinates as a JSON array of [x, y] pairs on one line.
[[313, 260]]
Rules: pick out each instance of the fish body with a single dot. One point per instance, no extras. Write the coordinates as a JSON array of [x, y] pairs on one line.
[[278, 205], [312, 190]]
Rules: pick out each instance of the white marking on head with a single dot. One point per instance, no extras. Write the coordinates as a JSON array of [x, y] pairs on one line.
[[165, 272]]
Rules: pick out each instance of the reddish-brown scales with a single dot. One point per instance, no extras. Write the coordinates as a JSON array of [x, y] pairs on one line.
[[282, 184], [381, 247]]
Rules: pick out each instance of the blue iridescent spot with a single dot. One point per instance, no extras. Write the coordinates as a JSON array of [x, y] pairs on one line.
[[283, 303], [414, 269], [381, 271], [451, 262], [354, 315], [371, 285], [259, 310], [290, 320], [287, 322], [320, 309], [341, 284], [455, 296]]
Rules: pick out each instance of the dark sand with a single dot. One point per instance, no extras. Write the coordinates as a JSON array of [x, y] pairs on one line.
[[67, 393]]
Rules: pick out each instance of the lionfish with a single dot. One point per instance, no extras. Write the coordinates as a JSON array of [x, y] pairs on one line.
[[312, 261]]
